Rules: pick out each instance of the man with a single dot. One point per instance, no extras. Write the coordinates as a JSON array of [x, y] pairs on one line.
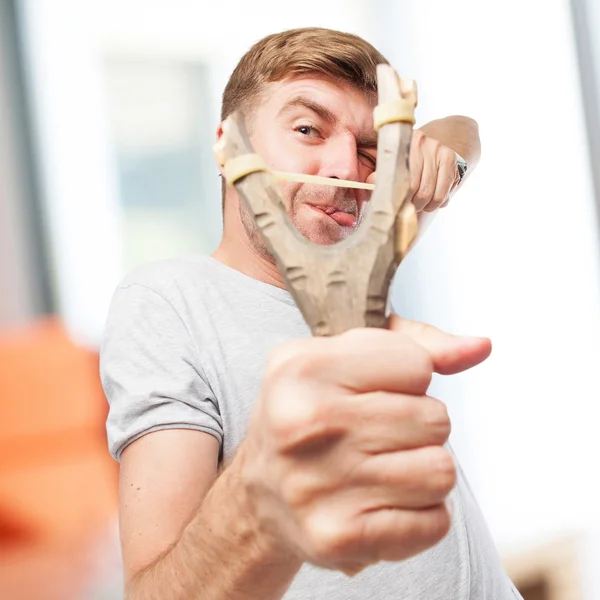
[[257, 461]]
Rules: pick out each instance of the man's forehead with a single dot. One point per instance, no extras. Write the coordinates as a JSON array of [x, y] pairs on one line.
[[328, 98], [321, 86]]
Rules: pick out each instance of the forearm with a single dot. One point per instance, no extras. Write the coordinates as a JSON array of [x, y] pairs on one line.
[[221, 555], [458, 133]]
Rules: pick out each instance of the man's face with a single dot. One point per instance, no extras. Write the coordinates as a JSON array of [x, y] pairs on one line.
[[314, 125]]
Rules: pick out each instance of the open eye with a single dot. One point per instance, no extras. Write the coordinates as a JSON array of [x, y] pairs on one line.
[[307, 130]]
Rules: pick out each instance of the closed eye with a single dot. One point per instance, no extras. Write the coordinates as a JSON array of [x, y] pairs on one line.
[[372, 161]]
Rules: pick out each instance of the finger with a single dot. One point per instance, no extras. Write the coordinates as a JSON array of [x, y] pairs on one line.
[[416, 162], [392, 422], [372, 178], [453, 189], [428, 179], [418, 478], [449, 353], [393, 535], [372, 359], [361, 360], [445, 181]]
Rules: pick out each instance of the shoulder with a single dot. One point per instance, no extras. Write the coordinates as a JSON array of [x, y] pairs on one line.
[[159, 292], [171, 278]]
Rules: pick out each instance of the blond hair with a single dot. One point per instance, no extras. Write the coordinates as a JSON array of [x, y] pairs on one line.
[[312, 50]]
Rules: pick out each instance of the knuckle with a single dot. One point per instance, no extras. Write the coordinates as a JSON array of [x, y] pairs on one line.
[[422, 377], [428, 527], [440, 196], [298, 413], [443, 476], [425, 191], [415, 181], [434, 525], [391, 475], [280, 358], [409, 409], [422, 366], [418, 136], [437, 525], [297, 421], [297, 490], [432, 206], [447, 156], [419, 204], [327, 539], [416, 359], [440, 523], [436, 146], [296, 360], [437, 418], [305, 366]]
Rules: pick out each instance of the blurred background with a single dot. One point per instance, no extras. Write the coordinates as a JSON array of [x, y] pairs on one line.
[[108, 112]]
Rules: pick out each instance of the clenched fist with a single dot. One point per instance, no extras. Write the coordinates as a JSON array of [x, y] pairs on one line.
[[344, 464]]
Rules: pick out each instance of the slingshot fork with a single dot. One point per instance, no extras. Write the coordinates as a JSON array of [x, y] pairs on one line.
[[344, 285]]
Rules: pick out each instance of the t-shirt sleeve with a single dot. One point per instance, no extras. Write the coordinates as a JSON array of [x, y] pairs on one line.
[[151, 371]]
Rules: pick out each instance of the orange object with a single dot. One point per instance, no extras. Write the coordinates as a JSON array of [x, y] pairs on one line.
[[57, 479]]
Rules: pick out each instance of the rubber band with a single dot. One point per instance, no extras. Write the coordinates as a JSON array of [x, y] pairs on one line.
[[240, 166], [399, 110], [303, 178]]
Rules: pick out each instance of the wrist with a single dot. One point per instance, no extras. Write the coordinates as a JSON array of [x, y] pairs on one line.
[[236, 492]]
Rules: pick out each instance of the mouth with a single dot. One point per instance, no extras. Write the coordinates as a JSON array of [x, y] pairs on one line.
[[345, 218]]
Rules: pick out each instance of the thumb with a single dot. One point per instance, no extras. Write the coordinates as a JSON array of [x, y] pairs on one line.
[[450, 353]]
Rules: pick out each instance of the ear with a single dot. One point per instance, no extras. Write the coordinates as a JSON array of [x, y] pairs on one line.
[[218, 149]]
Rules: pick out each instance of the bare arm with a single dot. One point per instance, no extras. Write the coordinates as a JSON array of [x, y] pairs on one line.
[[186, 533], [306, 484], [460, 134]]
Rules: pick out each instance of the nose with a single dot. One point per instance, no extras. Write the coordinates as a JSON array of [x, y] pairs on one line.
[[340, 160]]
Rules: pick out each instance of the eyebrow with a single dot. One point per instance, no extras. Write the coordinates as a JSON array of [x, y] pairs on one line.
[[305, 102], [367, 140], [363, 140]]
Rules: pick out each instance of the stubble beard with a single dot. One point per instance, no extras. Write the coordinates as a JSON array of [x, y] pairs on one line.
[[255, 238], [317, 196]]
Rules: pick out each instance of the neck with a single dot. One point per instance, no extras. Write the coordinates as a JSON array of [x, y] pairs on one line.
[[237, 250]]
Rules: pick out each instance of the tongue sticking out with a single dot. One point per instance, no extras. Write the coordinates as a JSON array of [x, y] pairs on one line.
[[342, 218]]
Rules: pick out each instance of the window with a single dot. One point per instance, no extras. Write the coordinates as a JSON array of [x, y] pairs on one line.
[[168, 184]]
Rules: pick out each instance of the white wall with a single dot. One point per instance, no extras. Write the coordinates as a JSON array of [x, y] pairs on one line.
[[515, 257], [17, 283], [593, 14], [78, 179]]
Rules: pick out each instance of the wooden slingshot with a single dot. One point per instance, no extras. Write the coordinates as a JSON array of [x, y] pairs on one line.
[[344, 285]]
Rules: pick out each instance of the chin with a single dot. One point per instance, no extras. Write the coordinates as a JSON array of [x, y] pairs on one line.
[[322, 241], [320, 231], [322, 236]]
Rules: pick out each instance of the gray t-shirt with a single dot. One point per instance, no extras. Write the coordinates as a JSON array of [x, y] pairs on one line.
[[185, 346]]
